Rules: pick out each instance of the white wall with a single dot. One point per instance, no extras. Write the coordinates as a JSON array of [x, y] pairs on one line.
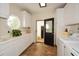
[[39, 24], [3, 27], [42, 16]]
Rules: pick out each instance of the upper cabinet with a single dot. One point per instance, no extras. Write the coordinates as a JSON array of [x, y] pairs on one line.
[[4, 10], [26, 19], [71, 13]]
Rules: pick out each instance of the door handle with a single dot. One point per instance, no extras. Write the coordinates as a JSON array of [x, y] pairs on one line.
[[72, 54]]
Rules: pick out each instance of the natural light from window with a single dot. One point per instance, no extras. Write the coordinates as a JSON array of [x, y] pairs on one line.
[[13, 22]]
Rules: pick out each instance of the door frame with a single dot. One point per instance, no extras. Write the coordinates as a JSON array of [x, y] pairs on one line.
[[36, 30]]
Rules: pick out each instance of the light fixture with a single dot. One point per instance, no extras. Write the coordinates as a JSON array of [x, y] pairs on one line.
[[42, 5]]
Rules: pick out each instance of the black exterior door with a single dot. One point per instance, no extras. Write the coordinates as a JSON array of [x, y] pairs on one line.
[[49, 31]]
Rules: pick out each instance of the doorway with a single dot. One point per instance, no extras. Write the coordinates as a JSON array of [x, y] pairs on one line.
[[45, 31], [40, 31]]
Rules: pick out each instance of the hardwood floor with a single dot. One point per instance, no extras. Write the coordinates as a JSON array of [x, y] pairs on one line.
[[39, 39], [40, 49]]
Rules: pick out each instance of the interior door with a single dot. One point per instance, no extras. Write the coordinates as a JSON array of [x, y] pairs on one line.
[[49, 31]]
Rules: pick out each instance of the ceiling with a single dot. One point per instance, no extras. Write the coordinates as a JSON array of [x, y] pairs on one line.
[[35, 8]]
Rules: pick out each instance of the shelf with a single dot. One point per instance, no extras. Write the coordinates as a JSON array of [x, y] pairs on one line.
[[72, 24]]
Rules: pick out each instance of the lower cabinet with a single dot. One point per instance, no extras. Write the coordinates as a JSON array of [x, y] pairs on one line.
[[15, 46], [60, 48], [67, 51], [63, 49]]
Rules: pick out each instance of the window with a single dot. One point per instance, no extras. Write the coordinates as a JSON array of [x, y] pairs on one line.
[[13, 22]]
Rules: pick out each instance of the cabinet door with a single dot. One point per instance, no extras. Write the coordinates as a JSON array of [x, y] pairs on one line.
[[15, 47], [66, 51], [60, 48], [26, 22], [4, 10], [76, 20], [71, 14]]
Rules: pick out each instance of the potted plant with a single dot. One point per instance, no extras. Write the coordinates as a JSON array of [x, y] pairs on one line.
[[16, 32]]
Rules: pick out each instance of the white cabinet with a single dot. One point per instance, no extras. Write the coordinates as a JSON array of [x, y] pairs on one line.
[[4, 10], [26, 19], [71, 14], [67, 51], [15, 46], [60, 48], [59, 22]]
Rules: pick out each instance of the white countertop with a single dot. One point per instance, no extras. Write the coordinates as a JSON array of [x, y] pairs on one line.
[[7, 39], [68, 40], [74, 47], [72, 43]]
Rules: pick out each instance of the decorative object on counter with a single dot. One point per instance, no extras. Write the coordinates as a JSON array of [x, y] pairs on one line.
[[28, 29], [66, 30], [16, 32], [8, 31], [66, 33], [73, 28]]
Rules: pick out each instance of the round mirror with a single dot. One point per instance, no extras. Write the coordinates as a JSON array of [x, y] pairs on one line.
[[13, 22]]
